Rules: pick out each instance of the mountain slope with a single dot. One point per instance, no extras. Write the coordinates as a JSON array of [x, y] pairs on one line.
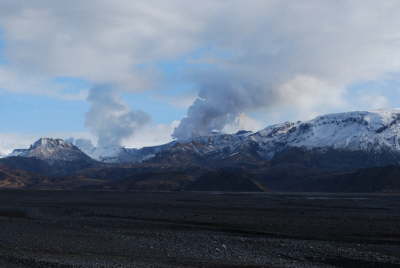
[[15, 179], [374, 132], [50, 157], [297, 156], [368, 180], [50, 150]]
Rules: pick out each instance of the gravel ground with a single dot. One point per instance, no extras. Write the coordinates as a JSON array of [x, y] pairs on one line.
[[132, 229]]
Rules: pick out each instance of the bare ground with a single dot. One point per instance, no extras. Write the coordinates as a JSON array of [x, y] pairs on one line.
[[193, 229]]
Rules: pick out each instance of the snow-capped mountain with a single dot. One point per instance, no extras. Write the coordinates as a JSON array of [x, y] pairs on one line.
[[199, 145], [367, 131], [116, 154], [52, 150], [373, 131], [128, 155], [293, 156]]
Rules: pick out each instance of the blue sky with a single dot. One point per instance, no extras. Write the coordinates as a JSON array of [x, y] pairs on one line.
[[2, 46], [41, 114], [31, 113], [36, 113]]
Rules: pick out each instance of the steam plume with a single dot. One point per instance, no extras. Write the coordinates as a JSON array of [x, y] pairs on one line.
[[110, 119], [219, 103]]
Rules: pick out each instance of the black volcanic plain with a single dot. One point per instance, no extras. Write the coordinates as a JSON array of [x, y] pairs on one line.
[[198, 229]]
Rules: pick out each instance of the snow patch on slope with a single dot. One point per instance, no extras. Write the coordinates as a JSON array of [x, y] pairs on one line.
[[52, 150], [368, 131], [372, 131]]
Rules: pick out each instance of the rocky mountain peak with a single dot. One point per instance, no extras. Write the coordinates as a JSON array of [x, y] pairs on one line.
[[51, 143], [51, 150]]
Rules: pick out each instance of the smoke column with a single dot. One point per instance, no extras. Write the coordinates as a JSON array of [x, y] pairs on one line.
[[110, 119], [297, 57], [221, 99]]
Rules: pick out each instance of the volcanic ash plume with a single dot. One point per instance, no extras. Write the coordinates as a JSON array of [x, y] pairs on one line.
[[219, 104], [110, 119]]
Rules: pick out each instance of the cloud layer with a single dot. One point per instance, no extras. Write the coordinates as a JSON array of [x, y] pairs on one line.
[[292, 55], [262, 55]]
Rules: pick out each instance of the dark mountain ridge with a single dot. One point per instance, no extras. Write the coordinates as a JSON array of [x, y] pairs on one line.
[[318, 155]]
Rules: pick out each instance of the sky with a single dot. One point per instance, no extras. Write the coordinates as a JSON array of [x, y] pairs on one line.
[[141, 73]]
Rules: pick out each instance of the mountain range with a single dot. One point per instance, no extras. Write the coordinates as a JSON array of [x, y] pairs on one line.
[[342, 152]]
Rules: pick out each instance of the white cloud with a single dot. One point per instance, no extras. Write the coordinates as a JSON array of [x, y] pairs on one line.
[[373, 102], [243, 122], [11, 141], [151, 135], [310, 96], [102, 41], [12, 80], [310, 50], [178, 101]]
